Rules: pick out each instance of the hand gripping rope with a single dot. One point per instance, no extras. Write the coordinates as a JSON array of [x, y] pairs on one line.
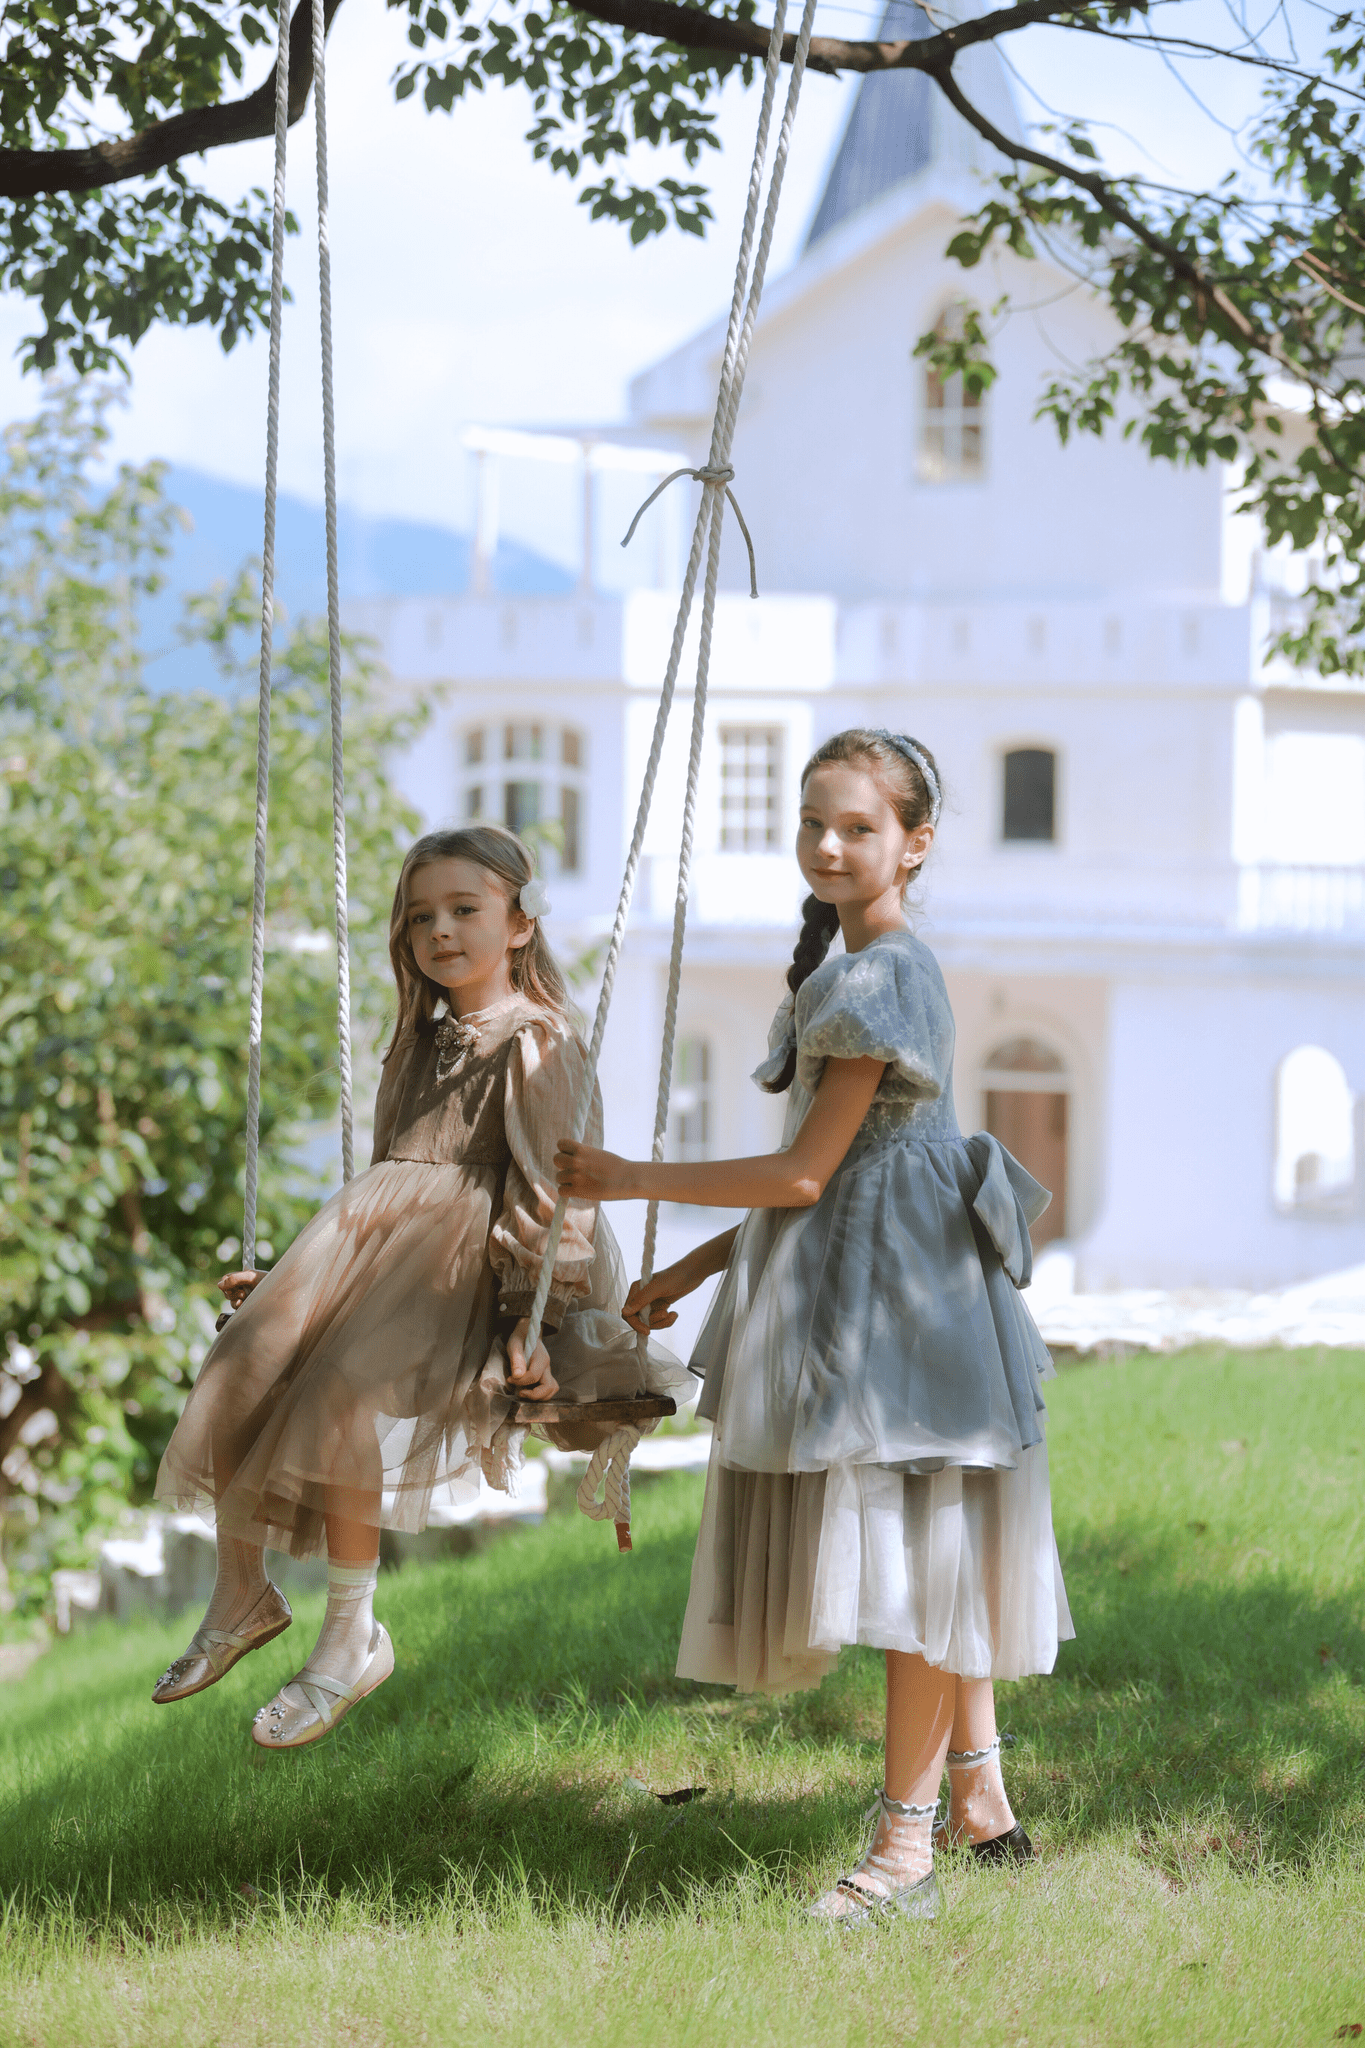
[[611, 1462], [272, 439]]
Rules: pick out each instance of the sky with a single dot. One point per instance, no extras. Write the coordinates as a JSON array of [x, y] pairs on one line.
[[469, 286]]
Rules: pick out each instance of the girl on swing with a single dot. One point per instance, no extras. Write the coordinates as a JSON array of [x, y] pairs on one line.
[[879, 1471], [384, 1354]]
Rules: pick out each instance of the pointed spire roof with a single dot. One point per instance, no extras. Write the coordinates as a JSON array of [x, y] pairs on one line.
[[899, 122]]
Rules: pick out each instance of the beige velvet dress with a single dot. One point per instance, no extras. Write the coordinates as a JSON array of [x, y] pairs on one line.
[[372, 1357]]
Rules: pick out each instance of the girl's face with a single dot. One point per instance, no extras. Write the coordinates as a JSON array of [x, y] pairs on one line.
[[852, 847], [463, 931]]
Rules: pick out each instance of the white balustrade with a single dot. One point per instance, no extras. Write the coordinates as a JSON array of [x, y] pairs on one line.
[[1301, 899]]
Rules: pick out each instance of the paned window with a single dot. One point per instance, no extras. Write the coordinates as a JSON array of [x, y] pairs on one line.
[[690, 1108], [750, 788], [952, 433], [529, 776]]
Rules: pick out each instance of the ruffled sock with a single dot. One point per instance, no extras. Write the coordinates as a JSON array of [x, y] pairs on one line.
[[901, 1853], [342, 1649], [979, 1809]]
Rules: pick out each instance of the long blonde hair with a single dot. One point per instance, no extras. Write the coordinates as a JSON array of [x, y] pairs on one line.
[[534, 970]]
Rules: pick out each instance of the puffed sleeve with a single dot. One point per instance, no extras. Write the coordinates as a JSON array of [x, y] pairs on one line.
[[544, 1070], [886, 1003], [389, 1097]]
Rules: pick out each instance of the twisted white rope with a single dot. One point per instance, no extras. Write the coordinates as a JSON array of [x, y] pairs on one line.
[[272, 448], [715, 476], [609, 1468], [614, 943], [729, 397], [329, 472]]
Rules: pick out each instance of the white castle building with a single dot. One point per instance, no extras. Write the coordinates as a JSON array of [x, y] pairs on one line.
[[1148, 893]]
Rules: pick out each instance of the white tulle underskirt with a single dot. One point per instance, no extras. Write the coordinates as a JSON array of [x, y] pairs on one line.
[[959, 1566]]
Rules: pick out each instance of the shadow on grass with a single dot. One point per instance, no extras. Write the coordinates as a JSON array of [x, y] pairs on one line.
[[1193, 1718]]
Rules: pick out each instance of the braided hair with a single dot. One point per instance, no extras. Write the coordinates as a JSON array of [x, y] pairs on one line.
[[907, 775]]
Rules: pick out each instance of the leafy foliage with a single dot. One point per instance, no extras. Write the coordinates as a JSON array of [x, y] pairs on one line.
[[595, 90], [125, 891], [105, 266], [1243, 317]]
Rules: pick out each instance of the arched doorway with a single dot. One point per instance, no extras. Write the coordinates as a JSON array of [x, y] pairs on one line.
[[1027, 1091]]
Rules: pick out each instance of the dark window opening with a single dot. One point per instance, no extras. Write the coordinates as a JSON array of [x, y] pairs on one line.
[[1030, 794]]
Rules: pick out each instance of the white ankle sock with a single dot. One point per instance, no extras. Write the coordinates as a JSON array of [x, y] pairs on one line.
[[980, 1808], [343, 1645], [239, 1585], [902, 1849]]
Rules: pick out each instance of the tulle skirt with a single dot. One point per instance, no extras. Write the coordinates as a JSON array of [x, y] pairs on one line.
[[366, 1367], [958, 1565]]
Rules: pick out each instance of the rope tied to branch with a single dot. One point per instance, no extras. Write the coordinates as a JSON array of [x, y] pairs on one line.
[[718, 476], [715, 476]]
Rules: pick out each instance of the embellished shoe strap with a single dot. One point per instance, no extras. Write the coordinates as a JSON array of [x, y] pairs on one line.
[[968, 1759]]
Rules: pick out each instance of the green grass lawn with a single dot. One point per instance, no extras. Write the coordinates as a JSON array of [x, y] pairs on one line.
[[477, 1854]]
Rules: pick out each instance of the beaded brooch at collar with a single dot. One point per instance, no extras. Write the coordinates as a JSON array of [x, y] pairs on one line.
[[454, 1038]]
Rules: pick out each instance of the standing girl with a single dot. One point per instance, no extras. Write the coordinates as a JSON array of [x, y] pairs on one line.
[[384, 1355], [878, 1471]]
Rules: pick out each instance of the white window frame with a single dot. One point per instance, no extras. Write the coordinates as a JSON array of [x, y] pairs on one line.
[[947, 412], [738, 833], [489, 763]]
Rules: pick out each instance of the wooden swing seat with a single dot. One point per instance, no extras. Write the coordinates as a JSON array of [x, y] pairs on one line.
[[583, 1425]]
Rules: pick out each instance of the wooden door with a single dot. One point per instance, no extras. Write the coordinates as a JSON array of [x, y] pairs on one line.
[[1032, 1125]]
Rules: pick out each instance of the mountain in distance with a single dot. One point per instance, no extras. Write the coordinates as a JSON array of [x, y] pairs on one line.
[[377, 557]]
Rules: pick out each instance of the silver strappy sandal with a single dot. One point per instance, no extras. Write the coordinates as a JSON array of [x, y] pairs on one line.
[[213, 1651], [851, 1903], [290, 1724]]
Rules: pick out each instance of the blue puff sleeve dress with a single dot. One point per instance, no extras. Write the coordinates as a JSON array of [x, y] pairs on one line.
[[879, 1469]]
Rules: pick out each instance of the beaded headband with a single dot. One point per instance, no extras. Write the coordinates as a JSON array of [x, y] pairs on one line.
[[911, 752]]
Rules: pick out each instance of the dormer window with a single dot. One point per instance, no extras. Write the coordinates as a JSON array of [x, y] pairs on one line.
[[528, 776], [952, 428]]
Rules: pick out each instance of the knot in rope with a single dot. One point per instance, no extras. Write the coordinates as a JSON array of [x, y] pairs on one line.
[[717, 476], [609, 1468]]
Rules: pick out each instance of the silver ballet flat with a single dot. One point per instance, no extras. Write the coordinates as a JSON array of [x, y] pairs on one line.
[[213, 1651], [851, 1904], [290, 1724]]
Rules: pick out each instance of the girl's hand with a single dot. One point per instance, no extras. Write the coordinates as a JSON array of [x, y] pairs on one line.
[[658, 1295], [235, 1287], [531, 1378], [593, 1176]]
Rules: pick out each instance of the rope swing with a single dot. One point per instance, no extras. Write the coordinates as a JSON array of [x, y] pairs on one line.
[[610, 1465], [272, 451], [613, 1428]]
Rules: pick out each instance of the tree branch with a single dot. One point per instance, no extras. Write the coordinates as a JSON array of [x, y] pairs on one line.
[[27, 173], [692, 28], [1211, 296]]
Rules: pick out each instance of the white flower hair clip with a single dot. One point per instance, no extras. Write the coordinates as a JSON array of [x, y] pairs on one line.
[[535, 898]]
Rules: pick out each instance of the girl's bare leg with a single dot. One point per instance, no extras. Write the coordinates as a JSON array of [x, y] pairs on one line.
[[920, 1701], [919, 1719], [979, 1810]]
